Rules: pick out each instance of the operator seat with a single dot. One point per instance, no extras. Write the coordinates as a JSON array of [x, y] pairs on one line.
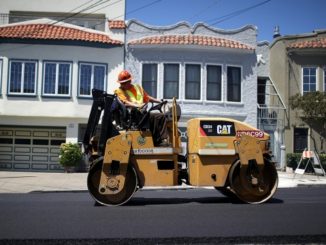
[[127, 118], [120, 114]]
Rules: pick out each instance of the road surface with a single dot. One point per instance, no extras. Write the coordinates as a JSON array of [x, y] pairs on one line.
[[295, 215]]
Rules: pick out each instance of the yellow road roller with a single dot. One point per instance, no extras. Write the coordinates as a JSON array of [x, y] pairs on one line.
[[229, 155]]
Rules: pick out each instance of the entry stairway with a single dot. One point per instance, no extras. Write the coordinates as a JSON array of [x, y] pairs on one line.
[[271, 114]]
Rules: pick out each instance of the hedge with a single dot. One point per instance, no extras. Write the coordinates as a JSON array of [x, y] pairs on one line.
[[293, 159]]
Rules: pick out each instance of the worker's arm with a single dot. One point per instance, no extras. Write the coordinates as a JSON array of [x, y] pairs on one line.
[[135, 105], [152, 99]]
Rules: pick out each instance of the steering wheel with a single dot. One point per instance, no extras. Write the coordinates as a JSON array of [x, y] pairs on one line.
[[153, 108], [158, 106]]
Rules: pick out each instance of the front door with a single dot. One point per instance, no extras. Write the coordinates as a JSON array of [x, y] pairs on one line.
[[300, 139]]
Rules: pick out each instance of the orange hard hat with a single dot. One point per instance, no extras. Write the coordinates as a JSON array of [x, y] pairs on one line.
[[124, 76]]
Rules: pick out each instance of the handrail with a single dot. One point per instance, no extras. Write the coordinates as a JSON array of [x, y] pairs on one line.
[[175, 135]]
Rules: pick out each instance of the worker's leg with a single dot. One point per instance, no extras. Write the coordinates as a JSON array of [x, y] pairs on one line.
[[158, 126]]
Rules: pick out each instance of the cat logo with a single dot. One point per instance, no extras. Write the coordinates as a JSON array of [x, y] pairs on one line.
[[217, 128], [224, 129]]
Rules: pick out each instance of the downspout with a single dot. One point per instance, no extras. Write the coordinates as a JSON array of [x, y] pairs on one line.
[[125, 40]]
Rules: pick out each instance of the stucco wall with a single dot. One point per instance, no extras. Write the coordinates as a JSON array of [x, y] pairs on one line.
[[286, 72], [246, 110], [39, 106], [111, 11], [262, 52]]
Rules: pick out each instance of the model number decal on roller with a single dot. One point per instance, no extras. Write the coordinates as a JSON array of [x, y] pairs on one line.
[[151, 151], [253, 133]]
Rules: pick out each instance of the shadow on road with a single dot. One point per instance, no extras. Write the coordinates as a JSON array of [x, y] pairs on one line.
[[143, 201]]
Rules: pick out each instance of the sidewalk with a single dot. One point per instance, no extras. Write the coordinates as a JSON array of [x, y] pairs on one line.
[[25, 182]]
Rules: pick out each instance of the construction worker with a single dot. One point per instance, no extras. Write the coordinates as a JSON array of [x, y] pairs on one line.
[[133, 95]]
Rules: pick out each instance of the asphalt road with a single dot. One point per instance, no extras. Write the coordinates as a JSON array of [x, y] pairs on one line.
[[296, 215]]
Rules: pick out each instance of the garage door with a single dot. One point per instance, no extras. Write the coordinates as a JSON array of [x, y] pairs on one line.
[[33, 149]]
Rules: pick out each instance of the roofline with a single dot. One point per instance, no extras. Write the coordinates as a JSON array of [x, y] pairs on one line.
[[51, 22], [315, 33], [262, 43], [58, 42], [191, 28], [190, 46]]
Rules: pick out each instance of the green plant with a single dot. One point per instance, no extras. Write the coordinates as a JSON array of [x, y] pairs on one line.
[[312, 105], [70, 154], [311, 108], [293, 159]]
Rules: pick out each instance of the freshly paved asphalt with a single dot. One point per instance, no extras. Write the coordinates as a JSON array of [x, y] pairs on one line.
[[55, 208], [294, 215]]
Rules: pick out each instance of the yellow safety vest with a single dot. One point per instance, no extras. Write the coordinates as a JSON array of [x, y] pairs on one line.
[[139, 99]]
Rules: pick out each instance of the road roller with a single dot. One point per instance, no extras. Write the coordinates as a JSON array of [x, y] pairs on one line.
[[229, 155]]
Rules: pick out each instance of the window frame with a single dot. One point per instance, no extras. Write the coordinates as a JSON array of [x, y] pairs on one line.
[[21, 93], [57, 63], [227, 84], [221, 85], [157, 77], [93, 64], [179, 78], [1, 72], [302, 79], [324, 75], [200, 82]]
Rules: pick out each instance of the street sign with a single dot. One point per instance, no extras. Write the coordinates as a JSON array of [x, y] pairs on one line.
[[314, 160]]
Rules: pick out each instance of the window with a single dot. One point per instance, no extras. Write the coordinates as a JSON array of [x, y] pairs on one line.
[[0, 77], [309, 79], [261, 91], [214, 82], [22, 77], [56, 78], [193, 78], [324, 80], [91, 76], [234, 84], [171, 81], [149, 79]]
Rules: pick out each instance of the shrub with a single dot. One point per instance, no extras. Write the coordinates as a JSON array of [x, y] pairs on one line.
[[70, 154], [293, 159]]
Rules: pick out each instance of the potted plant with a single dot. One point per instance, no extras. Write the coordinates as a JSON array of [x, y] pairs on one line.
[[69, 156]]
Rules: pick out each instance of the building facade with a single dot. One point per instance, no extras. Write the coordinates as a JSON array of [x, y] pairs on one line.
[[270, 106], [51, 56], [298, 66], [211, 72]]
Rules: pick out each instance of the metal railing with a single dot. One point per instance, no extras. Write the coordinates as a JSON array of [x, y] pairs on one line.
[[271, 116]]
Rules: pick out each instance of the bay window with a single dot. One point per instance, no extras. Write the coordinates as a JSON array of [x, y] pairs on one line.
[[56, 78], [22, 77], [171, 81], [193, 79], [91, 76], [214, 82], [149, 79], [233, 84]]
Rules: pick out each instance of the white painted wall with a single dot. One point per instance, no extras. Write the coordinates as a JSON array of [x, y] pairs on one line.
[[114, 10], [57, 112], [56, 107], [246, 110]]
